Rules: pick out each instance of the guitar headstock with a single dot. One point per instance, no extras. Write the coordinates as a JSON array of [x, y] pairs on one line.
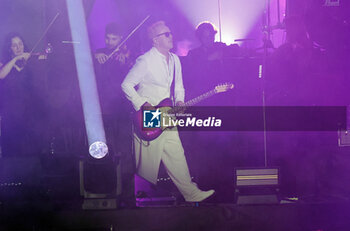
[[223, 87]]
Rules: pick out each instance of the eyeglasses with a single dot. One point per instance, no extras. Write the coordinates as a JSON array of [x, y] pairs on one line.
[[167, 34]]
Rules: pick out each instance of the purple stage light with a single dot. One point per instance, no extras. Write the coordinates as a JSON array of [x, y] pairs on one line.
[[238, 17]]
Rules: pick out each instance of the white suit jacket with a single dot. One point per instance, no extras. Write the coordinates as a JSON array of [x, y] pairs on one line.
[[150, 81], [153, 77]]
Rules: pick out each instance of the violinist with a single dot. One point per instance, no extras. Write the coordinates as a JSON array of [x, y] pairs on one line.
[[110, 72], [14, 54], [21, 107], [114, 106], [112, 40]]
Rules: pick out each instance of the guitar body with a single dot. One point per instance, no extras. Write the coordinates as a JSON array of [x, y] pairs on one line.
[[148, 134]]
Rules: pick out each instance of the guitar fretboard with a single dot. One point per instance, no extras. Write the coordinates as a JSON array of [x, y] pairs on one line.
[[200, 98], [193, 101]]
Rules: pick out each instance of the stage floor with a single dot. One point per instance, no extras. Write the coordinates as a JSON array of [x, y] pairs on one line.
[[322, 214]]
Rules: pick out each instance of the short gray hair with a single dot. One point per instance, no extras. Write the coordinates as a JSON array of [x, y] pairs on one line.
[[152, 29]]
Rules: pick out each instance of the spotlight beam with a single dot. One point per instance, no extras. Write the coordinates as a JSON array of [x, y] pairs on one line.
[[86, 75]]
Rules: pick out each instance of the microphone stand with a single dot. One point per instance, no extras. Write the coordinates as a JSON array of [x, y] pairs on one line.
[[262, 72], [267, 43], [219, 11]]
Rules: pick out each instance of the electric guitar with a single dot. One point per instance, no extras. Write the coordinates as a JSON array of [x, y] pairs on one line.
[[150, 134]]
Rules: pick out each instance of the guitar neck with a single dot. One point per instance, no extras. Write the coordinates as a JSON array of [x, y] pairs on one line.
[[200, 98], [193, 101]]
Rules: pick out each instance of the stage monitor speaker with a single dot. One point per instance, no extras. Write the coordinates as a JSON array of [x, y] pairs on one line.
[[257, 185]]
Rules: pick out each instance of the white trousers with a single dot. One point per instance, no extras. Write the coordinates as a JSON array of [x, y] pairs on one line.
[[167, 148]]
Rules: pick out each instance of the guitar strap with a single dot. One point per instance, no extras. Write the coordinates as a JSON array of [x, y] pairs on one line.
[[172, 87]]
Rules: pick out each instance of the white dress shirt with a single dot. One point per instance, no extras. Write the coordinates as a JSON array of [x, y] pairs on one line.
[[153, 76]]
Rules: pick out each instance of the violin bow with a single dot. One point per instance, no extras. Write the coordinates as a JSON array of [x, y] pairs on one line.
[[131, 33], [46, 30]]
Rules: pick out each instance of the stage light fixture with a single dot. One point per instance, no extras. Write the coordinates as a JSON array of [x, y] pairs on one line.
[[98, 149]]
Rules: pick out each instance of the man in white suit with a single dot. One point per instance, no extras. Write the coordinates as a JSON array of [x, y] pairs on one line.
[[153, 74]]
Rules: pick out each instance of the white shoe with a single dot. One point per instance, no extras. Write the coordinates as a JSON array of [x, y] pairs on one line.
[[201, 196]]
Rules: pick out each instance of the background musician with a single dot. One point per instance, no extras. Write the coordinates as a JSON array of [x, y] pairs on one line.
[[23, 107]]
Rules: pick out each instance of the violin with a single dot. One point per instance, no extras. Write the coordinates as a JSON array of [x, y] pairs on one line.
[[40, 56], [122, 55]]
